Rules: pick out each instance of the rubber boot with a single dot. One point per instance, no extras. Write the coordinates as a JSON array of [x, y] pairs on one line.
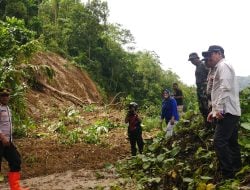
[[14, 181]]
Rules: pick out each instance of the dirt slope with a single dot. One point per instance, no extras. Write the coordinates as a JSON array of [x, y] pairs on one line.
[[44, 157], [70, 84]]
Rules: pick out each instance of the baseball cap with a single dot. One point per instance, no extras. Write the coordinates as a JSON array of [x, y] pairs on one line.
[[193, 56], [213, 48]]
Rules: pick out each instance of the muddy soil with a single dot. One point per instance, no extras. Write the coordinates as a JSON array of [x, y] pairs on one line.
[[50, 165], [73, 180]]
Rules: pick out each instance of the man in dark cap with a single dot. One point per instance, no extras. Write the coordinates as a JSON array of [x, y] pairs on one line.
[[225, 112], [201, 72], [7, 148]]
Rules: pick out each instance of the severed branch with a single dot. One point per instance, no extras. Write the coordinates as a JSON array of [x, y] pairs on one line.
[[68, 96], [113, 100]]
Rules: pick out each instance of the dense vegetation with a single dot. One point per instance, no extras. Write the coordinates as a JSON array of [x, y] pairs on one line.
[[187, 160], [81, 33]]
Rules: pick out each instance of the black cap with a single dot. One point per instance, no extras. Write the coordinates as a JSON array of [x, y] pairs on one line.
[[213, 48], [193, 56], [4, 91]]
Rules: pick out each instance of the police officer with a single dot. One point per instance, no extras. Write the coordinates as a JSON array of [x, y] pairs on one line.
[[201, 73], [7, 149], [226, 111]]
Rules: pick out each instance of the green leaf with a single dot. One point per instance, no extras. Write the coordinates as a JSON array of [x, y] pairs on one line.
[[187, 179], [153, 147], [206, 177], [246, 126], [245, 142], [175, 151], [160, 157], [155, 179], [245, 169], [146, 165]]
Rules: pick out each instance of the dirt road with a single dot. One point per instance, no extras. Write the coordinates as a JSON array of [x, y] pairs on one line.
[[72, 180]]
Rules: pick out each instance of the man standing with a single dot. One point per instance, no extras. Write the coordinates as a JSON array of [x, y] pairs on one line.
[[225, 111], [7, 149], [178, 96], [201, 82]]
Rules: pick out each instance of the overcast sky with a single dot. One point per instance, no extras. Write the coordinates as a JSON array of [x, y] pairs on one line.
[[174, 28]]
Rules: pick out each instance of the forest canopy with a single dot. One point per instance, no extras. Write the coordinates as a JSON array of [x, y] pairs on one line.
[[82, 33]]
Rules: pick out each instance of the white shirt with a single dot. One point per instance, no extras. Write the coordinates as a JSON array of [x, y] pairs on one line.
[[225, 93]]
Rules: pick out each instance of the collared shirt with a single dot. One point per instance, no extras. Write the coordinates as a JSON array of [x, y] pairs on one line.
[[5, 121], [225, 93]]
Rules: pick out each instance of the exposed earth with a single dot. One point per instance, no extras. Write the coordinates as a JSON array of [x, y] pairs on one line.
[[79, 166], [50, 164]]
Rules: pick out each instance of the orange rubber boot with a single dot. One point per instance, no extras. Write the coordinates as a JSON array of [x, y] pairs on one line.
[[14, 181]]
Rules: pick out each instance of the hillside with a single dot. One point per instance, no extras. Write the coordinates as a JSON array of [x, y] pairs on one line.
[[69, 85], [68, 102]]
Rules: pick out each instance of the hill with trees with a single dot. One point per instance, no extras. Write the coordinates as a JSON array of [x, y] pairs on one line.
[[71, 75]]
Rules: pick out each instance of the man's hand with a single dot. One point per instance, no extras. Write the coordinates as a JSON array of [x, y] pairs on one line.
[[210, 117], [219, 115]]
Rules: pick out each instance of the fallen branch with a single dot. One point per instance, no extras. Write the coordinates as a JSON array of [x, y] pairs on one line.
[[112, 101], [66, 95]]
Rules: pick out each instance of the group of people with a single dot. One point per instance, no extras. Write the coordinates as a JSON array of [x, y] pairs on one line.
[[172, 107], [218, 97]]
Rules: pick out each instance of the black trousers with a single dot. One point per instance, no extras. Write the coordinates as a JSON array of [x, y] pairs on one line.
[[226, 145], [12, 156], [135, 137]]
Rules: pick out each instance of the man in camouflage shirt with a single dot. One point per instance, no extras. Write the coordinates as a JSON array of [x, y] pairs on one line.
[[201, 73]]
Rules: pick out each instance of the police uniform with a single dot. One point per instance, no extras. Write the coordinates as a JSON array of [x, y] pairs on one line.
[[201, 74], [7, 148]]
